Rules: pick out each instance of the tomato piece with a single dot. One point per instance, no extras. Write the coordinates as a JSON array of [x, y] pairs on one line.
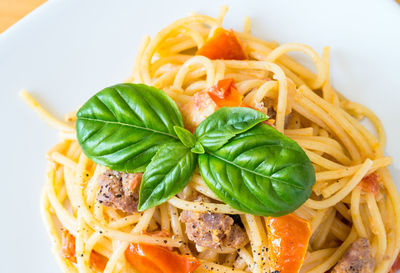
[[96, 260], [370, 183], [288, 238], [224, 44], [222, 88], [68, 246], [156, 259], [224, 94], [396, 265]]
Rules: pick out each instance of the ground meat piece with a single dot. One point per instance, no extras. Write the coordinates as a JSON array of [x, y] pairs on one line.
[[197, 109], [119, 190], [213, 230], [357, 259]]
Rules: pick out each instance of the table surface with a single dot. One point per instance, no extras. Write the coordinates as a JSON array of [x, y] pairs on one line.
[[13, 10]]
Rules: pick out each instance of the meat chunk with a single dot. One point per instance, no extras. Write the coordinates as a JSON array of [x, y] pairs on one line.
[[119, 190], [197, 109], [213, 230], [357, 259]]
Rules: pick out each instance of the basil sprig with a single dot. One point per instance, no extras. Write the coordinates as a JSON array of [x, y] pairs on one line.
[[247, 164]]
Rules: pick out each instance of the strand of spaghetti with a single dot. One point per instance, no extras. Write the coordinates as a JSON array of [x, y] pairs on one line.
[[219, 71], [344, 191], [282, 97], [372, 117], [248, 38], [322, 139], [92, 240], [335, 114], [343, 210], [92, 185], [202, 206], [245, 87], [257, 95], [378, 227], [292, 133], [206, 266], [221, 15], [348, 171], [165, 219], [321, 161], [125, 221], [255, 240], [283, 49], [151, 48], [247, 25], [334, 187], [355, 212], [316, 110], [246, 256], [180, 76], [46, 116], [82, 256]]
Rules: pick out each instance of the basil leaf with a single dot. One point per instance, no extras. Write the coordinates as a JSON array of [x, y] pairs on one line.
[[225, 123], [123, 126], [167, 174], [198, 148], [185, 136], [260, 172]]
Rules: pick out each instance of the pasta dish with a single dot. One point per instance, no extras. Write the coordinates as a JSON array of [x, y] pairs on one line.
[[220, 153]]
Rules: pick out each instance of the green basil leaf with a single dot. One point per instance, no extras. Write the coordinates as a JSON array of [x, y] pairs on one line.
[[123, 126], [225, 123], [198, 148], [260, 171], [167, 174], [185, 136]]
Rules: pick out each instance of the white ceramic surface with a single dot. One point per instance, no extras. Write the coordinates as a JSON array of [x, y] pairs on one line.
[[66, 50]]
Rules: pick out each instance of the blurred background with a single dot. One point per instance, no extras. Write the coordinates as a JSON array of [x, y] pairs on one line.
[[13, 10]]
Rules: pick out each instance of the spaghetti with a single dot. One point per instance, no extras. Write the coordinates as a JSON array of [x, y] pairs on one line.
[[308, 110]]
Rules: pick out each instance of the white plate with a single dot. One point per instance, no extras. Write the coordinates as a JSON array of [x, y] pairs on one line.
[[67, 50]]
